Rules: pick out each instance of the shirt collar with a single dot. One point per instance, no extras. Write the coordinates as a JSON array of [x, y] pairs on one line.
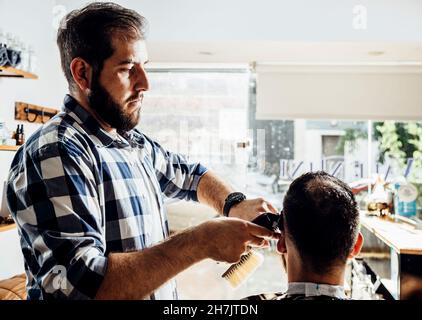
[[310, 289], [132, 138]]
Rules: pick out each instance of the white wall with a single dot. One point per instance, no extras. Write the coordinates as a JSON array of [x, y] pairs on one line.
[[31, 22], [281, 20]]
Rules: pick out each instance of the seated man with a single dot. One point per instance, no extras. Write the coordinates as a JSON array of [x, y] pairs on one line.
[[320, 226]]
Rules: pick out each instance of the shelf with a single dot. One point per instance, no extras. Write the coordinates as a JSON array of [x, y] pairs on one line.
[[9, 148], [16, 73], [7, 227]]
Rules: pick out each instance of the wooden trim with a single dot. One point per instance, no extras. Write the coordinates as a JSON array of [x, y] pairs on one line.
[[16, 73], [7, 227], [33, 113], [9, 148]]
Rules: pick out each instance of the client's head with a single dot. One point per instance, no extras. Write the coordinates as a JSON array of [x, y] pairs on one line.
[[321, 228]]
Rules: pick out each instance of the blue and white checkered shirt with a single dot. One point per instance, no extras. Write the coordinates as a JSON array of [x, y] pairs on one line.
[[79, 193]]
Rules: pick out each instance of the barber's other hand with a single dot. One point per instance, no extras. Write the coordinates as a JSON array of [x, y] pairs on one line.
[[250, 209], [227, 239]]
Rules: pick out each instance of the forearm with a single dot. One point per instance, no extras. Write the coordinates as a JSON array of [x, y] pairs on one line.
[[135, 275], [213, 191]]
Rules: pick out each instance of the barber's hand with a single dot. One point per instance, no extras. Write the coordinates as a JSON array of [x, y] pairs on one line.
[[250, 209], [227, 239]]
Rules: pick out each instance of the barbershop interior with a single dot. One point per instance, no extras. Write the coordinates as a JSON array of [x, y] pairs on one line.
[[261, 93]]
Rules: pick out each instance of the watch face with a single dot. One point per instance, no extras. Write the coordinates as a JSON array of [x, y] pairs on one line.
[[231, 200], [237, 196]]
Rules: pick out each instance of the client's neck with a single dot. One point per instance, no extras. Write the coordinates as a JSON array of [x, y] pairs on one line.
[[296, 272]]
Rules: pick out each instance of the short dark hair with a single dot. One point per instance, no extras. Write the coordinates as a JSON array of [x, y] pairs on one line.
[[321, 216], [87, 33]]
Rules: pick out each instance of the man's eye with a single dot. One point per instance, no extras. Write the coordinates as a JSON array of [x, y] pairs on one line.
[[127, 69]]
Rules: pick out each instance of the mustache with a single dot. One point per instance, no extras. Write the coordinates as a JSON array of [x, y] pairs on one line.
[[136, 97]]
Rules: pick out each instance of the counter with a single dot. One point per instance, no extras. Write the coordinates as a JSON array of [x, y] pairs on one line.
[[397, 261]]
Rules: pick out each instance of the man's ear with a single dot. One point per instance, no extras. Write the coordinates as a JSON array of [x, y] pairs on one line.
[[357, 247], [82, 74], [281, 244]]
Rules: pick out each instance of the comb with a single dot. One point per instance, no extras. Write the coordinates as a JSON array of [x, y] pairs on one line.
[[239, 272]]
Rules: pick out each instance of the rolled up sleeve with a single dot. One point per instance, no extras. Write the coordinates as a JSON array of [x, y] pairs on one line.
[[54, 200]]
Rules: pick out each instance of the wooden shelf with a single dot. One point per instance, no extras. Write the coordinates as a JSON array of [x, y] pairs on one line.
[[9, 148], [7, 227], [16, 73]]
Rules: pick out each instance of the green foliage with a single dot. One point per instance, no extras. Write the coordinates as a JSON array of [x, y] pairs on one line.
[[399, 141], [416, 132], [350, 135], [391, 143]]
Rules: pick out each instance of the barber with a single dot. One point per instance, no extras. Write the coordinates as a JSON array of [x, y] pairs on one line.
[[87, 190]]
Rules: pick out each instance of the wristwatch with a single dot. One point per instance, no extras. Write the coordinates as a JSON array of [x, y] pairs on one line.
[[231, 200]]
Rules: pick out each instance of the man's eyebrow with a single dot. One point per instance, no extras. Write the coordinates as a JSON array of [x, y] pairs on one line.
[[129, 61]]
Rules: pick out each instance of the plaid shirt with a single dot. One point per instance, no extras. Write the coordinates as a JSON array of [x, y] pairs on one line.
[[78, 193]]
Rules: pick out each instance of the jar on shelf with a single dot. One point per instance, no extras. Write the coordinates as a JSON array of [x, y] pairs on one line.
[[4, 133]]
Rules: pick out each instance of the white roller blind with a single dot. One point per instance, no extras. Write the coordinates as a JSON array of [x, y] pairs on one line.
[[339, 92]]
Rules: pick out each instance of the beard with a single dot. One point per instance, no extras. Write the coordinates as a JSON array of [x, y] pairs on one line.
[[111, 112]]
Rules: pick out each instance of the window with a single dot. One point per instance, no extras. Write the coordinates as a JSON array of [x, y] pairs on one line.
[[210, 116], [200, 114]]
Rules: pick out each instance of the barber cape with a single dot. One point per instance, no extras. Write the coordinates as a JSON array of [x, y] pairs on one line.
[[304, 291]]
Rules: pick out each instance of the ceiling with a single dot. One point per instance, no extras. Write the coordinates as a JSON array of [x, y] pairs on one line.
[[272, 52]]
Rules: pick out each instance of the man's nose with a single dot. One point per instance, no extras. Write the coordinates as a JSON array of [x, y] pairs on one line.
[[141, 79]]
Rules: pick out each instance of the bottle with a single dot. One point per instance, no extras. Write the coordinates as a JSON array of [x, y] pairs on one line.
[[406, 196], [20, 136], [15, 136], [379, 201], [16, 133]]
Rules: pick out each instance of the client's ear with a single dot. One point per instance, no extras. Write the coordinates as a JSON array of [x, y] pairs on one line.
[[357, 247], [281, 244]]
